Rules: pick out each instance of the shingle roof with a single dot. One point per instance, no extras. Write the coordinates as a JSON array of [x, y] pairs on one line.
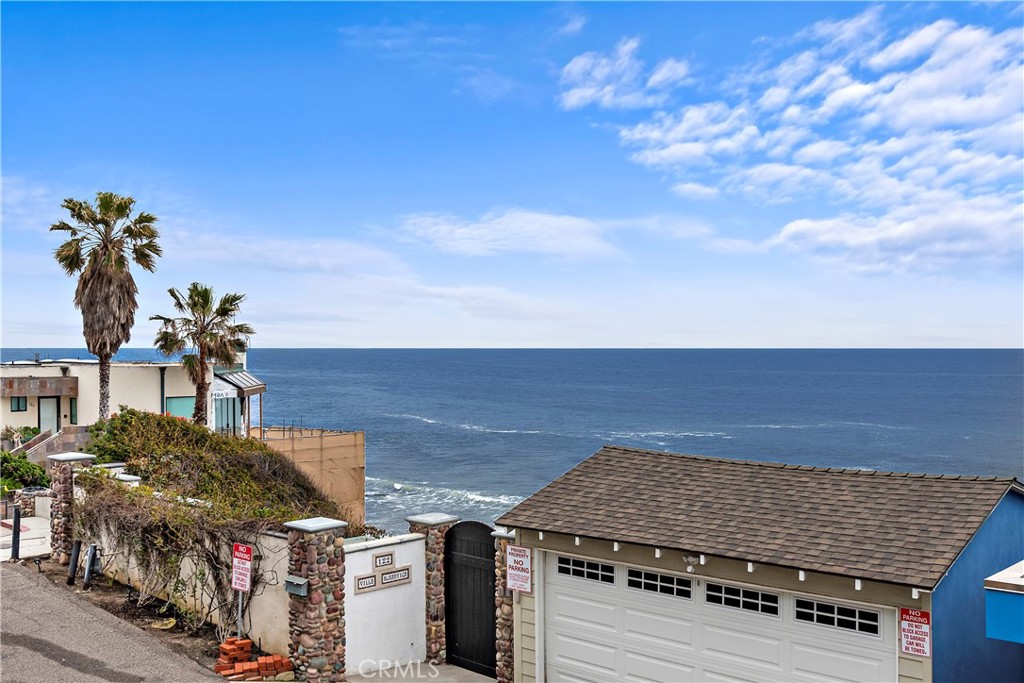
[[893, 527]]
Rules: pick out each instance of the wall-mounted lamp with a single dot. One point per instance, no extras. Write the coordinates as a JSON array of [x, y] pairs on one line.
[[802, 575], [750, 567]]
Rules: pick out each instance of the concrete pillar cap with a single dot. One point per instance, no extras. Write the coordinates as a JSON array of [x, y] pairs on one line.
[[71, 457], [315, 525], [432, 519]]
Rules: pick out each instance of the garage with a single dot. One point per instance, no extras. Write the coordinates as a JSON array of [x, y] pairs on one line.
[[606, 621], [654, 566]]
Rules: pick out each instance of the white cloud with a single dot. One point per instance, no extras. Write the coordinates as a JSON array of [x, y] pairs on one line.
[[934, 121], [487, 84], [616, 81], [573, 25], [853, 33], [695, 190], [669, 73], [914, 45], [511, 230], [821, 152], [28, 206]]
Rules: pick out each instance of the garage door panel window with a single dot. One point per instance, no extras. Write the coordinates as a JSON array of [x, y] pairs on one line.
[[838, 616], [742, 598], [586, 569], [654, 582]]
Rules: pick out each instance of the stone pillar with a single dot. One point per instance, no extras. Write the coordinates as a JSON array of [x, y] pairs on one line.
[[62, 489], [27, 501], [504, 632], [434, 526], [316, 621]]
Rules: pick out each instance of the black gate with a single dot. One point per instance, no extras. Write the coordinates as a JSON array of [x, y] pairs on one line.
[[469, 597]]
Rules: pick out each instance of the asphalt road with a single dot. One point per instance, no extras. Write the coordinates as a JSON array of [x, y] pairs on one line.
[[50, 635]]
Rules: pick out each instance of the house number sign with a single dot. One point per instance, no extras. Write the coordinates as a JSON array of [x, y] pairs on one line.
[[385, 574]]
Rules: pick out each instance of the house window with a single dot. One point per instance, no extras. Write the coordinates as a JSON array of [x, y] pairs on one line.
[[180, 406], [74, 411], [666, 584], [19, 404], [742, 598], [586, 569], [838, 616]]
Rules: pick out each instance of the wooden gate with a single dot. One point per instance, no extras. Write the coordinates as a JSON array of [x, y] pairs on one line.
[[469, 597]]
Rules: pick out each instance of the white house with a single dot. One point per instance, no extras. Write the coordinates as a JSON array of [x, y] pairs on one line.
[[55, 393]]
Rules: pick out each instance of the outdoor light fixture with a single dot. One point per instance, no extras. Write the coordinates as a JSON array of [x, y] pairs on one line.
[[750, 567], [615, 546], [856, 584], [802, 575], [657, 553], [576, 539], [914, 593]]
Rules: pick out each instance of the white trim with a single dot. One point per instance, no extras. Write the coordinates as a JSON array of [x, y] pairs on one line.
[[539, 563]]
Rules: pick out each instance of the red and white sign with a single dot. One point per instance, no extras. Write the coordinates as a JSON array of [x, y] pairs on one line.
[[241, 567], [915, 632], [518, 571]]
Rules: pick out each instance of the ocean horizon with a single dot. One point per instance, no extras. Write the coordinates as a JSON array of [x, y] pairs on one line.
[[472, 432]]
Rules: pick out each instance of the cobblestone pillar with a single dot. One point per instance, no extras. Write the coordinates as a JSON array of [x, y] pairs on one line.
[[27, 501], [434, 526], [316, 621], [62, 489], [504, 632]]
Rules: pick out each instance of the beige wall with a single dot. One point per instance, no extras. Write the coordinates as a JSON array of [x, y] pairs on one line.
[[266, 617], [911, 669], [336, 461]]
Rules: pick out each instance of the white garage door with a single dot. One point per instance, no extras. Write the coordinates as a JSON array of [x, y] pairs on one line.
[[613, 622]]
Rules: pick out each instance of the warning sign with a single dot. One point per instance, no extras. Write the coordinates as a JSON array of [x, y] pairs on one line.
[[518, 574], [241, 567], [915, 632]]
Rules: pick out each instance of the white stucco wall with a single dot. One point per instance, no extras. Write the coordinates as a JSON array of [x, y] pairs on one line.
[[385, 627]]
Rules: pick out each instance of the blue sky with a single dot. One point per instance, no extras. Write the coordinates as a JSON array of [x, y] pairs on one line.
[[532, 175]]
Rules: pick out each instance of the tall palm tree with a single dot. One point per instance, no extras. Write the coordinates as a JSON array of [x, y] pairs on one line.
[[207, 331], [104, 241]]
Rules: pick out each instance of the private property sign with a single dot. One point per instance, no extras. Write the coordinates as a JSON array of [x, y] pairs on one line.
[[915, 632], [518, 574], [241, 567]]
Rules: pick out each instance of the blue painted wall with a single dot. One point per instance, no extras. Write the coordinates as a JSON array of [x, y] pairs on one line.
[[1004, 615], [960, 649]]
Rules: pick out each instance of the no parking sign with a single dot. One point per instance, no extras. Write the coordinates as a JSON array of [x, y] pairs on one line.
[[518, 572]]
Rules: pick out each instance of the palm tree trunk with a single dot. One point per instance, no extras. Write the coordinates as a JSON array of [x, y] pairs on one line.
[[202, 389], [104, 386]]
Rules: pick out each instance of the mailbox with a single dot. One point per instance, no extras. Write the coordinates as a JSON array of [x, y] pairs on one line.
[[296, 585]]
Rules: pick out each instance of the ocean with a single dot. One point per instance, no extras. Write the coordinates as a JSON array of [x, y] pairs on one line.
[[473, 432]]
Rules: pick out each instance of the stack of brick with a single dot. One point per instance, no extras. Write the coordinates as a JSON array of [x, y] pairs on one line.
[[233, 653], [235, 663]]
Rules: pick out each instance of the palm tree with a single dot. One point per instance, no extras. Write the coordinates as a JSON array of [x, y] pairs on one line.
[[104, 241], [207, 331]]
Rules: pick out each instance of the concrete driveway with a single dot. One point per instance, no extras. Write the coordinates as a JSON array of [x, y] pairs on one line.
[[49, 635]]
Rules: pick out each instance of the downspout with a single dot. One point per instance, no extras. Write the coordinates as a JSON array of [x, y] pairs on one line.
[[163, 393]]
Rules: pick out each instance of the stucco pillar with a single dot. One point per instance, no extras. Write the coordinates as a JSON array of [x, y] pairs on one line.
[[62, 489], [316, 621], [434, 526], [504, 631]]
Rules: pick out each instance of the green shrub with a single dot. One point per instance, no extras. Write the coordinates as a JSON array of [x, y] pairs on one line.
[[17, 472], [241, 478]]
